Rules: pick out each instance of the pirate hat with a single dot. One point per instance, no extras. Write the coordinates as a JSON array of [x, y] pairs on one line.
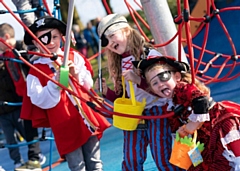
[[110, 24], [145, 63], [45, 22]]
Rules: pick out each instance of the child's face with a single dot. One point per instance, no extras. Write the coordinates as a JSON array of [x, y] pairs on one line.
[[3, 47], [51, 38], [117, 42], [162, 81]]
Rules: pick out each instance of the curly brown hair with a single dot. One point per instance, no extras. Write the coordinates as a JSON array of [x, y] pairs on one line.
[[187, 77]]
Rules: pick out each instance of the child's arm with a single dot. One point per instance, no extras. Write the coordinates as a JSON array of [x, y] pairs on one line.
[[235, 149], [199, 103], [106, 91], [44, 97], [129, 75], [189, 128], [80, 71], [234, 146], [230, 130], [198, 117], [199, 114]]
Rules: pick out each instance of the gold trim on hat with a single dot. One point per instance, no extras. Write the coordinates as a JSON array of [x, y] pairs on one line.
[[139, 63]]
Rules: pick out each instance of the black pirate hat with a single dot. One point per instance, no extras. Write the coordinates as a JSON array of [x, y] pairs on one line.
[[145, 63], [45, 22]]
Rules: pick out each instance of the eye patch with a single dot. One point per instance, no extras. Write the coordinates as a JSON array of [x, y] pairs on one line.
[[163, 76], [46, 38]]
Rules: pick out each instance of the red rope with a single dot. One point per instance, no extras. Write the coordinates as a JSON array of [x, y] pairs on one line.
[[195, 62]]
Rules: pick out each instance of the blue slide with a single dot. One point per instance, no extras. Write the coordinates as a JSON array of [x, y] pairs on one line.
[[217, 42]]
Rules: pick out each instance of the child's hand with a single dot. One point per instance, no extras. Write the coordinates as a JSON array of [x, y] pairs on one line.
[[129, 75], [104, 86], [182, 132], [72, 69], [57, 76], [192, 126]]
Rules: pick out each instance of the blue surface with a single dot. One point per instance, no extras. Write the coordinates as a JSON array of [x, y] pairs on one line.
[[8, 164], [111, 153], [217, 42]]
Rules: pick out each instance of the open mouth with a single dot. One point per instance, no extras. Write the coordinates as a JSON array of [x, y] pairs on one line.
[[51, 48], [166, 91], [116, 46]]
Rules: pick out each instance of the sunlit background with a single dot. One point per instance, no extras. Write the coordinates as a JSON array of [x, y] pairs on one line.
[[87, 11]]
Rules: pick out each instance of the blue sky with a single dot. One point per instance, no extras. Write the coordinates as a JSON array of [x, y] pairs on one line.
[[87, 9]]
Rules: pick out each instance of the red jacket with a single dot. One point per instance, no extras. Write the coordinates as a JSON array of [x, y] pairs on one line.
[[70, 131], [15, 73]]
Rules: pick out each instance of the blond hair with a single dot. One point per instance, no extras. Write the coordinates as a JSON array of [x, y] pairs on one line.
[[135, 44]]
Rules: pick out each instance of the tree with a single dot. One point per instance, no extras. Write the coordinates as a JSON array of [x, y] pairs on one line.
[[64, 11]]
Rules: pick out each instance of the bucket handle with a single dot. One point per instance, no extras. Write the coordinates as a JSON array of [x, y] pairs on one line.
[[131, 91], [194, 137]]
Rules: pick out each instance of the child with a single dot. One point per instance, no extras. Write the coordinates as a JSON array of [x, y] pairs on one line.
[[12, 81], [76, 130], [123, 45], [217, 123]]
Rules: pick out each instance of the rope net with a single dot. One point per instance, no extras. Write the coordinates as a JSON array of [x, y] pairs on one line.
[[212, 59], [206, 56]]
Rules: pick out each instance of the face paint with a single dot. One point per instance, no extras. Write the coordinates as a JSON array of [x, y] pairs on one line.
[[46, 38]]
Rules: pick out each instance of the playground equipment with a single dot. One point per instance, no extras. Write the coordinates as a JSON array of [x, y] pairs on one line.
[[209, 36]]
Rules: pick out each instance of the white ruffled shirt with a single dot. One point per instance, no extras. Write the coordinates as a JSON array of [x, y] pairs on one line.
[[49, 96]]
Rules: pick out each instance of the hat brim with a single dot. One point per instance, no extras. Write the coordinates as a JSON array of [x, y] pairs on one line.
[[145, 63], [115, 27], [50, 22], [110, 30]]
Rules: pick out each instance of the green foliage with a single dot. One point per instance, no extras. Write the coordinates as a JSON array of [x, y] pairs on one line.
[[173, 7], [105, 74], [145, 30]]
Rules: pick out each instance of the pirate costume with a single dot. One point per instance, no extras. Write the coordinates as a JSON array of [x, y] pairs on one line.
[[157, 132], [71, 121], [220, 131]]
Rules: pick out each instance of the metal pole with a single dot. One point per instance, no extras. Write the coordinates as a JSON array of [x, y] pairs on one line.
[[100, 65], [162, 26], [68, 32]]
